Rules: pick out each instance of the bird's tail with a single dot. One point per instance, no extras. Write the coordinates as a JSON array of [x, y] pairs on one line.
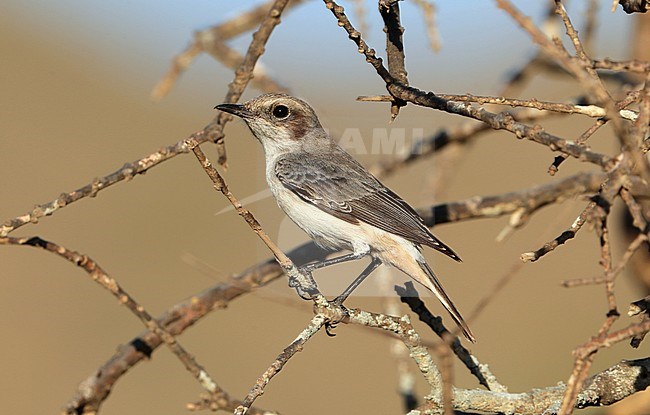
[[434, 285]]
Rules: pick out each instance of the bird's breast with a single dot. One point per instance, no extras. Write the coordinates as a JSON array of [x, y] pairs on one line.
[[326, 230]]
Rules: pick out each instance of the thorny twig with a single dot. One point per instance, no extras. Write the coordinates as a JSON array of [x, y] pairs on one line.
[[314, 325], [581, 69], [409, 296], [501, 121], [389, 11], [243, 75], [96, 387], [100, 276], [593, 111], [581, 66], [213, 42]]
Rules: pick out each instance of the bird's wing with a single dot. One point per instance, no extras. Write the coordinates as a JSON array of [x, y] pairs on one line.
[[340, 186]]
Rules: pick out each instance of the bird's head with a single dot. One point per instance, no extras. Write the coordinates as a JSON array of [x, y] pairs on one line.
[[278, 120]]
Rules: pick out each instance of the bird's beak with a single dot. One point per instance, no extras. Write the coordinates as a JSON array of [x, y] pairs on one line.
[[235, 109]]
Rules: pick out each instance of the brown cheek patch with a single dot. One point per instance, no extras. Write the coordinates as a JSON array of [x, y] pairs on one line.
[[297, 126]]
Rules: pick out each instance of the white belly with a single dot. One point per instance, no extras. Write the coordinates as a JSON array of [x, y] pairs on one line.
[[326, 230], [331, 232]]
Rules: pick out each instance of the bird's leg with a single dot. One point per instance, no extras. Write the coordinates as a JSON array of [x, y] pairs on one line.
[[307, 269], [364, 274], [330, 326], [333, 261]]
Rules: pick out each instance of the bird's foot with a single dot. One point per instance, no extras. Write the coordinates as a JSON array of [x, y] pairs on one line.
[[329, 329], [308, 268], [344, 313], [303, 283]]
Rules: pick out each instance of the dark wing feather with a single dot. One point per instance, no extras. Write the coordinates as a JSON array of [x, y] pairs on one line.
[[337, 184]]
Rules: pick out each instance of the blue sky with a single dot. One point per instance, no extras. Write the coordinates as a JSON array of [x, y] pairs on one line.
[[138, 38]]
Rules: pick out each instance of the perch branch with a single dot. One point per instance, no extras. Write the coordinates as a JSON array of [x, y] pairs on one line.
[[96, 387], [401, 326], [296, 346]]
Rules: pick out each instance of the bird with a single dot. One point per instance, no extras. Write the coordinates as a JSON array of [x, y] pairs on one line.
[[335, 200]]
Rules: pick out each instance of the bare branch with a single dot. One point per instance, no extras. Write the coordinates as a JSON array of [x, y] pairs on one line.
[[530, 200], [604, 388], [213, 42], [304, 283], [96, 387], [429, 99], [98, 275], [630, 66], [588, 110], [563, 238], [243, 75], [389, 11], [409, 296], [429, 14], [315, 324], [126, 173], [631, 249]]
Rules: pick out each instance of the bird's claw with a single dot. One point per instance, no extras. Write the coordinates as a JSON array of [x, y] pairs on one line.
[[296, 284], [331, 325]]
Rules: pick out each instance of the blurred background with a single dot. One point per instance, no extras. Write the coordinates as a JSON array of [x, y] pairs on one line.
[[75, 104]]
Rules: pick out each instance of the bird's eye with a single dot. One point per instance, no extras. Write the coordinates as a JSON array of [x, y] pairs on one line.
[[280, 112]]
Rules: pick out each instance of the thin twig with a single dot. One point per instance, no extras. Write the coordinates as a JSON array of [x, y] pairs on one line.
[[630, 66], [631, 249], [557, 51], [501, 121], [592, 111], [591, 23], [314, 325], [581, 70], [125, 173], [464, 133], [530, 200], [429, 15], [95, 388], [243, 75], [409, 296], [213, 42], [636, 211], [561, 158], [97, 273], [389, 11], [562, 238], [304, 283]]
